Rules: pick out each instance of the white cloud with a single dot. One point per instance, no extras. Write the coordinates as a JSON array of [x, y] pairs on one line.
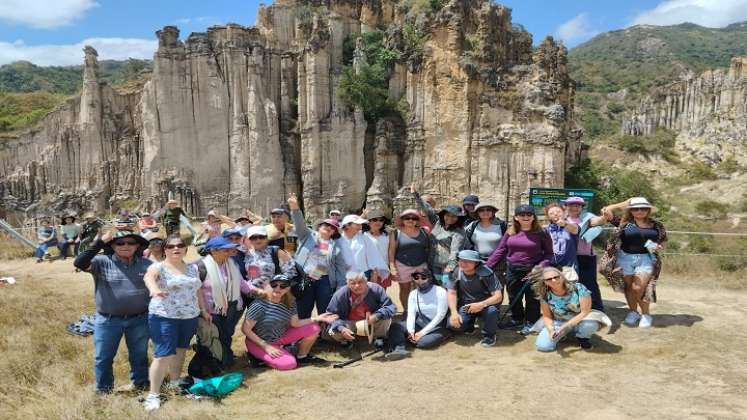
[[576, 30], [709, 13], [44, 13], [70, 54]]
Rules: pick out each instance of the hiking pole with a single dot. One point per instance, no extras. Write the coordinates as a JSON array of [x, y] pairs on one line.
[[357, 358], [516, 299]]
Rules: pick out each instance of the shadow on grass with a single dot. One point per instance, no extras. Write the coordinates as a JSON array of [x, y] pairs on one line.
[[617, 310]]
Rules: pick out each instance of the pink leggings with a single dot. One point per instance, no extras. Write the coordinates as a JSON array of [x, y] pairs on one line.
[[285, 361]]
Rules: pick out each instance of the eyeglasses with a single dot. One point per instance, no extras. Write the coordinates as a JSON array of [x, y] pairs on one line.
[[525, 215], [172, 246], [123, 243], [376, 220], [412, 219], [418, 276], [552, 278], [278, 285], [257, 238]]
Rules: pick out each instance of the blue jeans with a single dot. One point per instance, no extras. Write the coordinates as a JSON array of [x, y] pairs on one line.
[[587, 275], [42, 248], [489, 317], [584, 329], [64, 245], [107, 333], [320, 293]]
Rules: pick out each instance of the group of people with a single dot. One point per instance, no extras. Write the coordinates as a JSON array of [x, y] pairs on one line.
[[294, 284]]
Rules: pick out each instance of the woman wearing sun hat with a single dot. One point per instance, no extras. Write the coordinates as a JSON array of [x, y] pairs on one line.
[[70, 231], [320, 255], [631, 263], [586, 261], [409, 251], [448, 237]]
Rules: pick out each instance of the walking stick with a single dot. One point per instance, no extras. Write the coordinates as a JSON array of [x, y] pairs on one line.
[[516, 298]]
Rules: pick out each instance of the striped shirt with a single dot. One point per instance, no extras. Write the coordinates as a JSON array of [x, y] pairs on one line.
[[273, 319]]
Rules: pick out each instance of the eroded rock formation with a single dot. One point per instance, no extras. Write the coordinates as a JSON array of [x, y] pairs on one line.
[[239, 116], [708, 112]]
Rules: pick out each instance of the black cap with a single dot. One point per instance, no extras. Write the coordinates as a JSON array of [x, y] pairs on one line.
[[424, 271], [279, 210], [281, 277], [471, 199], [524, 208]]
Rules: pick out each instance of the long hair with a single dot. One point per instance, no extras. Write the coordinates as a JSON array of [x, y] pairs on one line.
[[288, 299], [628, 217], [539, 286]]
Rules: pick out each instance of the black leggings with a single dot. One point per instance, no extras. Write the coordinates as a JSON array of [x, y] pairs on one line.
[[531, 314]]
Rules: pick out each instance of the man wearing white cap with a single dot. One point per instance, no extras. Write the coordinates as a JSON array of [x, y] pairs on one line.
[[360, 251]]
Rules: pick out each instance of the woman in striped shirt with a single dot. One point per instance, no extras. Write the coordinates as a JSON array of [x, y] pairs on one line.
[[270, 324]]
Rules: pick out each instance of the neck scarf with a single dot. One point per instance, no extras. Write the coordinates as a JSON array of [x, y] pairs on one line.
[[226, 288]]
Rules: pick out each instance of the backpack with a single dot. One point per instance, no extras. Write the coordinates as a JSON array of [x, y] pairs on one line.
[[203, 364], [300, 283]]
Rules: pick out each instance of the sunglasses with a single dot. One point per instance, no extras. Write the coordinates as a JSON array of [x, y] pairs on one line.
[[418, 276], [552, 278], [172, 246], [123, 243], [257, 238], [640, 209], [278, 285], [376, 220], [525, 215], [412, 219]]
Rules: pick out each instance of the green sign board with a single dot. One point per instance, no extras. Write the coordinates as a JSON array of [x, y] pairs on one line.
[[540, 197]]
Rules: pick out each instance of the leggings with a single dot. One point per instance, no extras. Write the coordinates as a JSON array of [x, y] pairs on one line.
[[285, 361]]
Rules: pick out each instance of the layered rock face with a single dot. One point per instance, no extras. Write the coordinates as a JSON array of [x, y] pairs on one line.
[[709, 113], [238, 117]]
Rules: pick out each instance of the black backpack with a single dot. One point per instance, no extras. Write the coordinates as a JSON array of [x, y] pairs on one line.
[[300, 283]]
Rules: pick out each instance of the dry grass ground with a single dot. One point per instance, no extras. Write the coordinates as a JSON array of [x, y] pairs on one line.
[[690, 365]]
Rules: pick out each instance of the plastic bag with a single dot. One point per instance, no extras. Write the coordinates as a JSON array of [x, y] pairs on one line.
[[219, 386]]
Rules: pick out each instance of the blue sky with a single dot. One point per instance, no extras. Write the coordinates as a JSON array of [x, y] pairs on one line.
[[52, 32]]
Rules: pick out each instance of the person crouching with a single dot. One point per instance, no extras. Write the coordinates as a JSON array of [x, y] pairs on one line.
[[270, 324], [360, 304]]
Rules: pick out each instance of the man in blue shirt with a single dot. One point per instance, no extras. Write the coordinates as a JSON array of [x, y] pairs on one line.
[[121, 304]]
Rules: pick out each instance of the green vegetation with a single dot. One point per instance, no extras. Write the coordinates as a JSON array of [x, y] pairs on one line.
[[712, 209], [369, 87], [660, 143], [20, 110]]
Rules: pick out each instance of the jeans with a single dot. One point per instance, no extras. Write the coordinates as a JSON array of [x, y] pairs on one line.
[[65, 245], [226, 325], [428, 341], [489, 317], [584, 329], [107, 333], [320, 293], [518, 312], [587, 275], [42, 248]]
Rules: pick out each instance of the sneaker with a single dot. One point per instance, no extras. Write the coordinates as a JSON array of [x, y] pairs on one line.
[[379, 343], [152, 402], [646, 321], [631, 318], [526, 329], [488, 341], [470, 331], [311, 359], [585, 343], [399, 352]]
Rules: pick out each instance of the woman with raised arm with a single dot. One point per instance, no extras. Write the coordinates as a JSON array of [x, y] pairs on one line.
[[589, 226], [631, 263]]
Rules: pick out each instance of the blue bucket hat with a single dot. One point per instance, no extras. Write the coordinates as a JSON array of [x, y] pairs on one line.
[[469, 255], [219, 242]]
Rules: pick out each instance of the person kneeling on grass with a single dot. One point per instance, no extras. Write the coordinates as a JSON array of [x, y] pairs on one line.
[[426, 312], [474, 291], [565, 308], [360, 306], [270, 324]]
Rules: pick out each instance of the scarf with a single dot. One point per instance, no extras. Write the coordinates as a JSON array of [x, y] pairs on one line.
[[224, 290], [425, 287]]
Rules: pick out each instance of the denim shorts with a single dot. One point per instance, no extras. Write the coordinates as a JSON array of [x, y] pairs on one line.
[[635, 263], [169, 334]]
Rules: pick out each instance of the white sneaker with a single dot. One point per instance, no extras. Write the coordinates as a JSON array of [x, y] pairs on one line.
[[646, 321], [152, 402], [632, 318]]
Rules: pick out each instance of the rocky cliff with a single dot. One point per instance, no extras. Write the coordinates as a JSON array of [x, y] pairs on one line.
[[239, 116], [708, 111]]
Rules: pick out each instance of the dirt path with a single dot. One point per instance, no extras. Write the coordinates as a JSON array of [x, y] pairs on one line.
[[690, 365]]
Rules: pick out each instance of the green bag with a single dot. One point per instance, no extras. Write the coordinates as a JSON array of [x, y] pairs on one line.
[[219, 386]]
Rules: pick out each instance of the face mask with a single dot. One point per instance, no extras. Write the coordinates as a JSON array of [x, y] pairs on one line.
[[425, 287]]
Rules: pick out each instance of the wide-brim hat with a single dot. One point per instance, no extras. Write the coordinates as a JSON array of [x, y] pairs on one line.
[[365, 329], [353, 218], [575, 200], [639, 203], [151, 235], [143, 243], [89, 215], [471, 199], [68, 216], [451, 209], [486, 205], [377, 214], [469, 255]]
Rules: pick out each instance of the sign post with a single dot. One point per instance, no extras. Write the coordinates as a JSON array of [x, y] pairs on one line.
[[540, 197]]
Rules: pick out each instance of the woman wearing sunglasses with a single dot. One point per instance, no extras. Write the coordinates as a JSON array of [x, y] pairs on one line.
[[409, 251], [259, 260], [270, 324], [174, 307], [376, 232], [565, 306], [631, 263], [427, 308]]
